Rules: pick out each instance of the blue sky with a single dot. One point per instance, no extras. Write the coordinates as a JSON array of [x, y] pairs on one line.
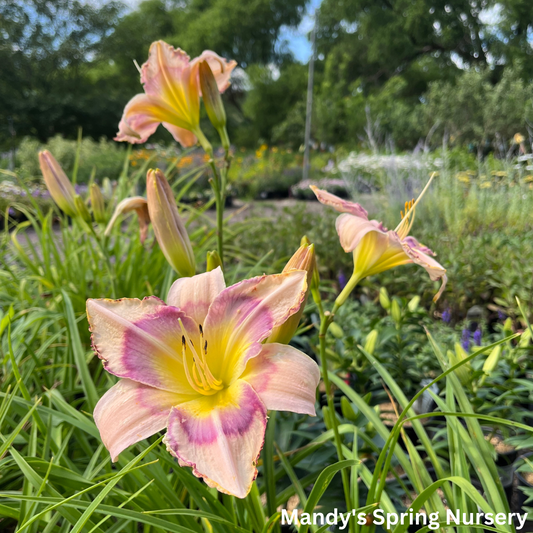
[[297, 38]]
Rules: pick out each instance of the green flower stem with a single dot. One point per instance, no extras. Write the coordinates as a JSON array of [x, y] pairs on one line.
[[350, 286], [218, 184], [324, 325]]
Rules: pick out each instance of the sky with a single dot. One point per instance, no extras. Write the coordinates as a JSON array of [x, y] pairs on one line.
[[297, 38]]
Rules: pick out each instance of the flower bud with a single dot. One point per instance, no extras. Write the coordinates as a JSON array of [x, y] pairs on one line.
[[213, 261], [213, 102], [508, 327], [83, 212], [336, 330], [492, 360], [58, 184], [384, 298], [347, 409], [303, 259], [168, 226], [371, 341], [97, 203], [396, 312], [413, 303], [137, 204], [464, 371]]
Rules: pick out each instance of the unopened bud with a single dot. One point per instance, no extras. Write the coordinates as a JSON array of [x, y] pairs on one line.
[[83, 212], [336, 330], [213, 101], [464, 371], [413, 304], [347, 409], [97, 203], [58, 184], [371, 341], [303, 259], [395, 311], [213, 260], [492, 360], [384, 298], [508, 327], [168, 226]]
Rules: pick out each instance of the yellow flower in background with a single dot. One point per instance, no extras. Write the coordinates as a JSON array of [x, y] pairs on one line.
[[374, 248], [518, 138], [463, 177]]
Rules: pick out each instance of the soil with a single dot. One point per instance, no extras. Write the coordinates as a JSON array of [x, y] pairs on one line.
[[389, 416], [528, 476], [500, 446]]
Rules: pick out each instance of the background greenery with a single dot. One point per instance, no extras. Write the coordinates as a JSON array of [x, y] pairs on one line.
[[392, 70]]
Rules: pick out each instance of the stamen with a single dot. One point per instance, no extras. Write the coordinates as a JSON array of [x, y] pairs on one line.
[[186, 367], [412, 207], [201, 375]]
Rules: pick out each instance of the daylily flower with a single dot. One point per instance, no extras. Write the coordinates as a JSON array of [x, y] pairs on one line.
[[58, 184], [169, 228], [134, 203], [198, 366], [171, 95], [374, 248]]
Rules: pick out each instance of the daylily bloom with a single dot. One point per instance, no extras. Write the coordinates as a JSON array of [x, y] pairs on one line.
[[134, 203], [374, 248], [171, 95], [198, 366], [169, 228], [58, 184], [303, 259]]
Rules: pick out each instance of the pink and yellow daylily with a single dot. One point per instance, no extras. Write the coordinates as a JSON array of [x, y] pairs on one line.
[[198, 366], [376, 249], [171, 95]]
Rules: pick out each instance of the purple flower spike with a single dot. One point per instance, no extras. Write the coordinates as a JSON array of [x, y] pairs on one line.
[[501, 315], [465, 339], [342, 280], [447, 315], [477, 336]]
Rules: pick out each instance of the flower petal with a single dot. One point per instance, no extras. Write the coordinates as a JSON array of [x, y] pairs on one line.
[[181, 135], [130, 412], [220, 67], [220, 437], [169, 77], [351, 229], [284, 378], [142, 115], [340, 205], [137, 204], [141, 340], [435, 270], [243, 315], [194, 295]]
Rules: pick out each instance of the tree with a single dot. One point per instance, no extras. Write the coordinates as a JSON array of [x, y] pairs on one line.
[[46, 51]]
